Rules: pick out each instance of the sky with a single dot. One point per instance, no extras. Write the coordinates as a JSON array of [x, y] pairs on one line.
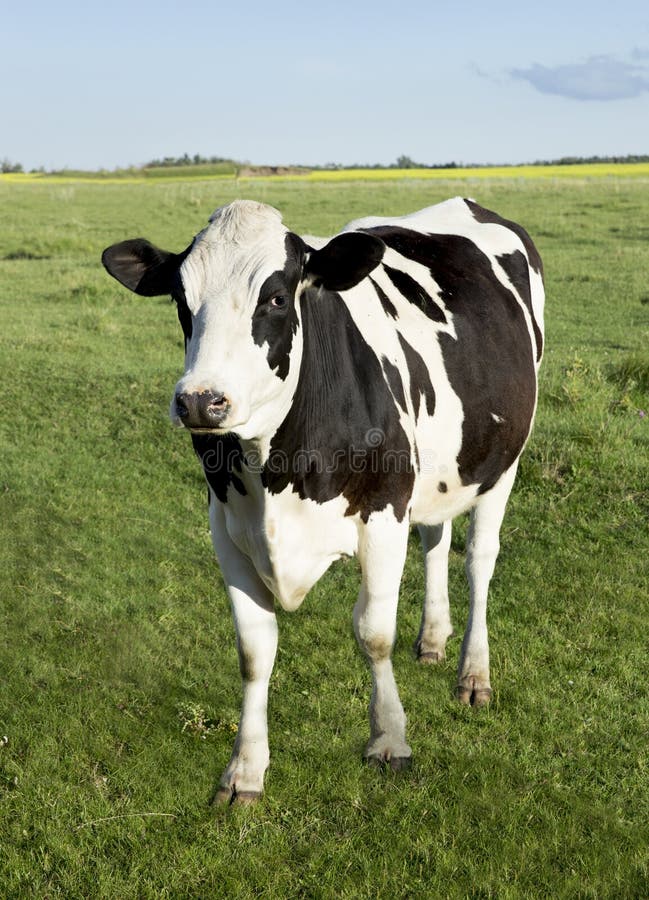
[[85, 85]]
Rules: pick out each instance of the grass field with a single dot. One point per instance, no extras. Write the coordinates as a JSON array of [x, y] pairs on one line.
[[120, 684]]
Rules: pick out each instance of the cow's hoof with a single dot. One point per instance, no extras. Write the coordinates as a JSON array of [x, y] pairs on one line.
[[400, 763], [396, 763], [431, 649], [470, 694], [226, 796]]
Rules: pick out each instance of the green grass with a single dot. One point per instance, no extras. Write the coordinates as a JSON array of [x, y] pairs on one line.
[[120, 685]]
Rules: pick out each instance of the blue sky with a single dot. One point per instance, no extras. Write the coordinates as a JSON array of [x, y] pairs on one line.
[[89, 85]]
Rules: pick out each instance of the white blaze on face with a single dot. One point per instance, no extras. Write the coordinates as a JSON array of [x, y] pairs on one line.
[[222, 276]]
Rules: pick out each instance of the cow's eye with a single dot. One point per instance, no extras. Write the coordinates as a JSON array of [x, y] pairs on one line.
[[279, 301]]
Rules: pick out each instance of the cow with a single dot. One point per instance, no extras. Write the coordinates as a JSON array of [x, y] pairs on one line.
[[338, 391]]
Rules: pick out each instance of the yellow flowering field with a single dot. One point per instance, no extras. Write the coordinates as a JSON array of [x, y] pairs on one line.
[[585, 170]]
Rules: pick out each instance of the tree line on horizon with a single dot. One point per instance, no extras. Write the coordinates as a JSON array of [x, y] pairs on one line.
[[402, 162]]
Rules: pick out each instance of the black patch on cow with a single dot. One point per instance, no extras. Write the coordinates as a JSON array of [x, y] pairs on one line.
[[490, 364], [442, 487], [222, 457], [387, 304], [515, 265], [342, 435], [487, 216], [276, 325], [414, 293], [420, 383], [394, 380]]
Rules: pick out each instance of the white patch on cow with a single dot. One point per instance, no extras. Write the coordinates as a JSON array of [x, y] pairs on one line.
[[538, 301], [498, 419], [450, 217], [291, 542], [303, 539]]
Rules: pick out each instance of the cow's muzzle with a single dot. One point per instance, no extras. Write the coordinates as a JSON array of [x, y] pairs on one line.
[[204, 409]]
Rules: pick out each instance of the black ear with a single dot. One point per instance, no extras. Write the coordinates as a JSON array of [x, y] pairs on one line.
[[345, 260], [141, 267]]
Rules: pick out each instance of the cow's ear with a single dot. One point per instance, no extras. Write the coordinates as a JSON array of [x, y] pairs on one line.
[[345, 260], [141, 267]]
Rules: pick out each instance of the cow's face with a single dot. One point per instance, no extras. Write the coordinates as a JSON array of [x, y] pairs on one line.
[[238, 288], [237, 305]]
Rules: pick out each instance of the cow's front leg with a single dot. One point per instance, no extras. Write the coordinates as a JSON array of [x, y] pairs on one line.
[[382, 552], [256, 630], [483, 545], [436, 627]]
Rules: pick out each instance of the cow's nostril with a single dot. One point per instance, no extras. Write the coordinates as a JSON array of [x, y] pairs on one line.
[[182, 409], [218, 402]]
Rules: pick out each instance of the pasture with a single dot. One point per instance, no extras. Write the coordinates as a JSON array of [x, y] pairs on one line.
[[120, 683]]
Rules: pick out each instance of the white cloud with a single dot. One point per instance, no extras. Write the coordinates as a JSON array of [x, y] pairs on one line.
[[599, 78]]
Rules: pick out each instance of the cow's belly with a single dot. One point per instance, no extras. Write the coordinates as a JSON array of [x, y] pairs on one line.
[[435, 500], [291, 542]]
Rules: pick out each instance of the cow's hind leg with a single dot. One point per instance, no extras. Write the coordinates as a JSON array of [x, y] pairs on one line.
[[483, 545], [436, 627], [382, 552], [256, 628]]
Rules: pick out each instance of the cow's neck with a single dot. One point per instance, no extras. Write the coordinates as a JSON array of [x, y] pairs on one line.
[[342, 416]]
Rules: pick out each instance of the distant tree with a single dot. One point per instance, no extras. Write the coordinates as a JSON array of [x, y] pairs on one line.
[[185, 160], [405, 162], [586, 160], [6, 166]]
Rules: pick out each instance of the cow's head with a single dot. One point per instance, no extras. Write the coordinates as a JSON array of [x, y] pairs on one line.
[[238, 288]]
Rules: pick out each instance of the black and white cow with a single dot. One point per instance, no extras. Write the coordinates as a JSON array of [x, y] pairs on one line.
[[338, 391]]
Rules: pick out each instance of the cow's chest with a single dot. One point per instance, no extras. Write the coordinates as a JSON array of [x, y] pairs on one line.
[[291, 542]]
